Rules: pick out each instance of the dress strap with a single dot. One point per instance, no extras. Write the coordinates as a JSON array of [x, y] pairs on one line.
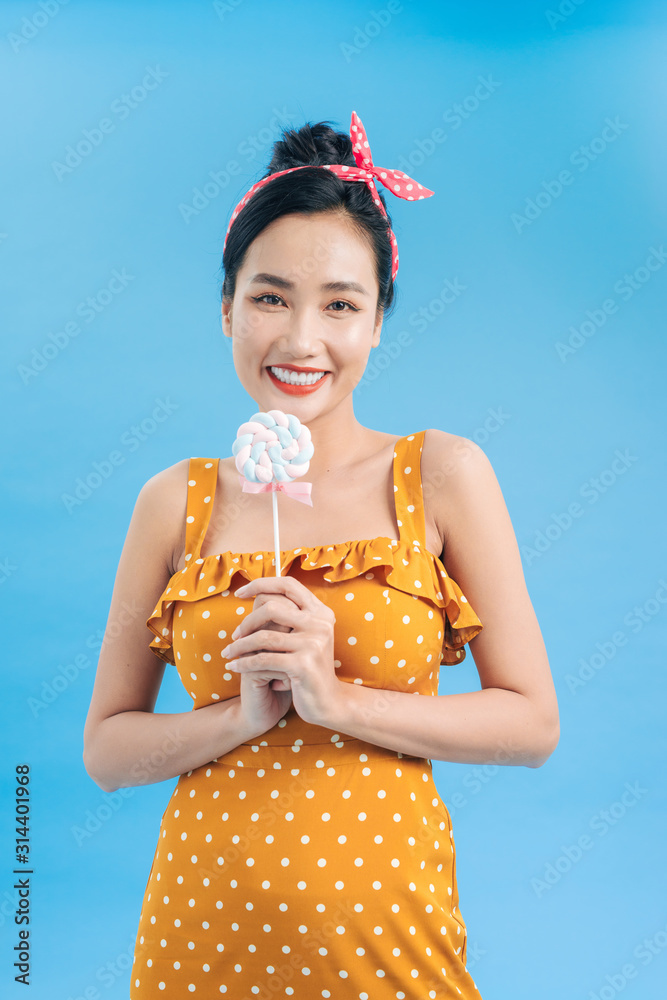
[[202, 482], [408, 495]]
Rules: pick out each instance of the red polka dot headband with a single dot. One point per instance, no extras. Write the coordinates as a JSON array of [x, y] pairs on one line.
[[394, 180]]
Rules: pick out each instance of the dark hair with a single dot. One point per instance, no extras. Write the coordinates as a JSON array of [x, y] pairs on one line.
[[309, 191]]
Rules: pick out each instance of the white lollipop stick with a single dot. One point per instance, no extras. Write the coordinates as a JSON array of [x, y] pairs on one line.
[[276, 541]]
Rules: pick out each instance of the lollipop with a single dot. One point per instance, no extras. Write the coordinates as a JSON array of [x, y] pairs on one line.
[[270, 451]]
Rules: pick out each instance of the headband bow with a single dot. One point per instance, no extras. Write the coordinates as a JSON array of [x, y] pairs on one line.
[[395, 181]]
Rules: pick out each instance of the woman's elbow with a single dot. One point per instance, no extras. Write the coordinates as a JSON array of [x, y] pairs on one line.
[[93, 772], [546, 745]]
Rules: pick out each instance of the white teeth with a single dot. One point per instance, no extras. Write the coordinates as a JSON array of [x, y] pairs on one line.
[[296, 378]]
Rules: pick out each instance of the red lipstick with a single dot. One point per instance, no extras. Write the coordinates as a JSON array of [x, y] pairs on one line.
[[297, 390]]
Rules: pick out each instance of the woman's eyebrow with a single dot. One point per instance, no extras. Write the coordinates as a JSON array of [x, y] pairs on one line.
[[329, 286]]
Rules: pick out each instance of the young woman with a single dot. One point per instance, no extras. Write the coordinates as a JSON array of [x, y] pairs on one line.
[[305, 850]]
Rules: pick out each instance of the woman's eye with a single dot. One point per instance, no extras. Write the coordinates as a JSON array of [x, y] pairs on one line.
[[266, 295], [340, 302]]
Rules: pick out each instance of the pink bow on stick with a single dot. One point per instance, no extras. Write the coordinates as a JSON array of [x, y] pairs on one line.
[[298, 491]]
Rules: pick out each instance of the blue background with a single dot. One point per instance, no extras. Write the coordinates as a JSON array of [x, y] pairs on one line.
[[553, 81]]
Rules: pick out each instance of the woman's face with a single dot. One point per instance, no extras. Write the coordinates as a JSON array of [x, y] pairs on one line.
[[284, 315]]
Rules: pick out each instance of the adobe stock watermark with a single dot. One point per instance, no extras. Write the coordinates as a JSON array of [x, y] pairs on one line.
[[7, 568], [87, 310], [67, 673], [34, 23], [636, 619], [224, 7], [600, 823], [420, 319], [475, 780], [144, 770], [9, 906], [645, 952], [564, 10], [298, 271], [581, 158], [277, 808], [591, 490], [120, 108], [106, 975], [248, 149], [131, 440], [280, 974], [94, 821], [625, 288], [463, 448], [453, 117], [365, 33]]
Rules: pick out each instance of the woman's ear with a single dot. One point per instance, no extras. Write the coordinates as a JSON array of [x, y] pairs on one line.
[[227, 316], [377, 329]]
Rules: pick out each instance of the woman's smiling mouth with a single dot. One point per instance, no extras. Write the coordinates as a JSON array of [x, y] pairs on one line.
[[295, 382]]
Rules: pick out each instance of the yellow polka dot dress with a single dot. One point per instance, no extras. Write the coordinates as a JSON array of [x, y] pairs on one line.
[[307, 863]]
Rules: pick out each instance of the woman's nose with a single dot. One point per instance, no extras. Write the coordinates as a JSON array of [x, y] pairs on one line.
[[300, 336]]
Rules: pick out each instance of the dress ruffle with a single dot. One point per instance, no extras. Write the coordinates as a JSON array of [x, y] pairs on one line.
[[406, 567]]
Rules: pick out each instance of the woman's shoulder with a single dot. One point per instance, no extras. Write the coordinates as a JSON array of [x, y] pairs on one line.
[[162, 504], [452, 467], [163, 497], [449, 452], [167, 482]]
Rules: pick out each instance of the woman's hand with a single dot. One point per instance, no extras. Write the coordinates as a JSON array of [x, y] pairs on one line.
[[265, 695], [302, 657], [262, 705]]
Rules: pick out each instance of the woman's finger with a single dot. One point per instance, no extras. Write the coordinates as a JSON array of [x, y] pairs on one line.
[[288, 586], [261, 641], [274, 609], [261, 599]]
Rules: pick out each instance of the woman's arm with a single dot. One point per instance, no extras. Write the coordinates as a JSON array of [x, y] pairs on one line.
[[125, 742], [514, 718]]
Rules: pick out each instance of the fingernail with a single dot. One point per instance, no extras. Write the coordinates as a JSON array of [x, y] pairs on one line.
[[236, 632]]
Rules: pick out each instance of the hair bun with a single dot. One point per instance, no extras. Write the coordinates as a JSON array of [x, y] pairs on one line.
[[312, 145]]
